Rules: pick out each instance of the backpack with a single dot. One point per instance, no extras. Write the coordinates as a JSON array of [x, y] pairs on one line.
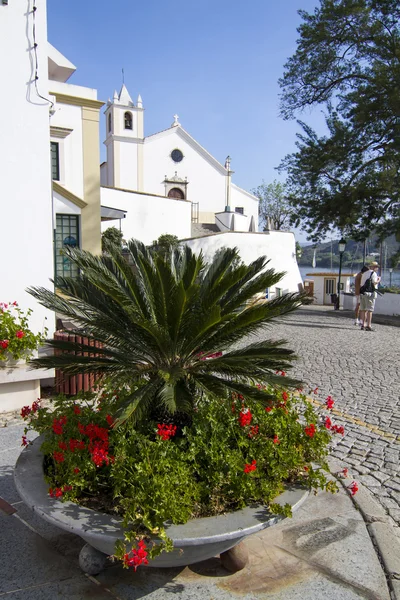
[[368, 287]]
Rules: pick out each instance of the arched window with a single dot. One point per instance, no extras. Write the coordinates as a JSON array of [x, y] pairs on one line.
[[176, 193], [109, 122], [128, 120]]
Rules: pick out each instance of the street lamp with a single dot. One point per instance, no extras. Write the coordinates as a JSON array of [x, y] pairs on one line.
[[342, 246], [390, 271]]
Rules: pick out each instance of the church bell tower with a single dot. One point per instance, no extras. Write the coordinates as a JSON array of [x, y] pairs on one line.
[[124, 141]]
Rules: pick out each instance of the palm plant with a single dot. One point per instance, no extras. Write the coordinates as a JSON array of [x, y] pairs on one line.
[[170, 324]]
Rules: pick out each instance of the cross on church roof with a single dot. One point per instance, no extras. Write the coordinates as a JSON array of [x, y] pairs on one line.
[[176, 122]]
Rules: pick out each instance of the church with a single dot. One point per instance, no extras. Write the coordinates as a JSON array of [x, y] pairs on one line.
[[167, 181]]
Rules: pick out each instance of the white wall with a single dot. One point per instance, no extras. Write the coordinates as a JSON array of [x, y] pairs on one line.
[[148, 216], [278, 246], [70, 148], [207, 182], [387, 304], [26, 238], [231, 221]]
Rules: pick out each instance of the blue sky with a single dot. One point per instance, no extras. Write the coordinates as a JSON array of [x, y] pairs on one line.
[[214, 63]]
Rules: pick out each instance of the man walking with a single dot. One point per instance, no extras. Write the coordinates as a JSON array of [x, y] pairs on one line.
[[369, 284], [357, 284]]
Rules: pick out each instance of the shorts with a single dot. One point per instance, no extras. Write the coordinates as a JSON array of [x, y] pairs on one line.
[[367, 302], [358, 298]]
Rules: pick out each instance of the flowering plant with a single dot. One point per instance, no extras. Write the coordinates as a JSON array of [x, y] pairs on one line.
[[197, 418], [16, 339], [161, 472]]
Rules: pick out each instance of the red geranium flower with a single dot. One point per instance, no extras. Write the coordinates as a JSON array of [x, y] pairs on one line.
[[137, 556], [328, 423], [310, 430], [353, 487], [338, 429], [329, 402], [58, 456], [76, 470], [268, 408], [77, 410], [24, 441], [285, 396], [345, 472], [4, 344], [245, 417], [252, 467], [20, 334], [276, 440], [110, 420], [166, 431], [25, 411], [254, 430]]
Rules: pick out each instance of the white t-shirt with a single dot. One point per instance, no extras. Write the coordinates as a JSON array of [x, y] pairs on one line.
[[374, 277]]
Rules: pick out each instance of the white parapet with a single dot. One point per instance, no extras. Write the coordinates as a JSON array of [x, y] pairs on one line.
[[20, 386]]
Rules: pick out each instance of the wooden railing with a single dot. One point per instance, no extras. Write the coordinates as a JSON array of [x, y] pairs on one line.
[[73, 384]]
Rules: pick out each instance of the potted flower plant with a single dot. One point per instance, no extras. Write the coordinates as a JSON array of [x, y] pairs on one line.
[[17, 341], [193, 419]]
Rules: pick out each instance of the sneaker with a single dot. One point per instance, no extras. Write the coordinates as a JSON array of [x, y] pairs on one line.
[[357, 322], [368, 329]]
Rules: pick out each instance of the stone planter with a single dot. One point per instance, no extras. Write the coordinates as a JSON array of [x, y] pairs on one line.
[[196, 540], [19, 383]]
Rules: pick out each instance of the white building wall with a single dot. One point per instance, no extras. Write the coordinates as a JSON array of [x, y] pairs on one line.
[[240, 198], [26, 236], [278, 246], [148, 216], [63, 206], [206, 184], [128, 165], [70, 148]]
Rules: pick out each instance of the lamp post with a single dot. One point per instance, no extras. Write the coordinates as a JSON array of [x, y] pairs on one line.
[[342, 246], [390, 272]]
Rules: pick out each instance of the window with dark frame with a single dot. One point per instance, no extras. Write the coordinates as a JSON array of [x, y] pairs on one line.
[[109, 122], [240, 210], [66, 234], [55, 161], [128, 120]]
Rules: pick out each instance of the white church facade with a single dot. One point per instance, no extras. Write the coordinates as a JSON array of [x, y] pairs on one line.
[[172, 165]]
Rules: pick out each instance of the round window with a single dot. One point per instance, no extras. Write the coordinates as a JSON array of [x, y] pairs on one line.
[[176, 155]]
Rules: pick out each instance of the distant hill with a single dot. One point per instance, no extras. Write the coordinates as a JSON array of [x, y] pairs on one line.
[[327, 253]]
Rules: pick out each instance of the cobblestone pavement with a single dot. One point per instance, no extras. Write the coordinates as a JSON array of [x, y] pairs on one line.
[[360, 370]]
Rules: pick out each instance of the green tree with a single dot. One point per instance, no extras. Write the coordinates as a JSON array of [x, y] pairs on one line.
[[112, 235], [172, 325], [165, 243], [274, 206], [347, 59]]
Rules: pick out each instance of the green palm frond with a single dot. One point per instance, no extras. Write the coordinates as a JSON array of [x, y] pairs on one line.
[[157, 317]]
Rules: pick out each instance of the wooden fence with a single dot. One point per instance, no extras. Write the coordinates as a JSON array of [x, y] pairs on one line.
[[73, 384]]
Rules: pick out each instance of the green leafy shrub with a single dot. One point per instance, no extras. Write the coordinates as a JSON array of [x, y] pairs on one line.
[[233, 453], [16, 339]]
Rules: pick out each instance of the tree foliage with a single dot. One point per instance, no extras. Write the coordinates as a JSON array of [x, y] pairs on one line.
[[348, 60], [171, 324], [274, 207], [111, 235]]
